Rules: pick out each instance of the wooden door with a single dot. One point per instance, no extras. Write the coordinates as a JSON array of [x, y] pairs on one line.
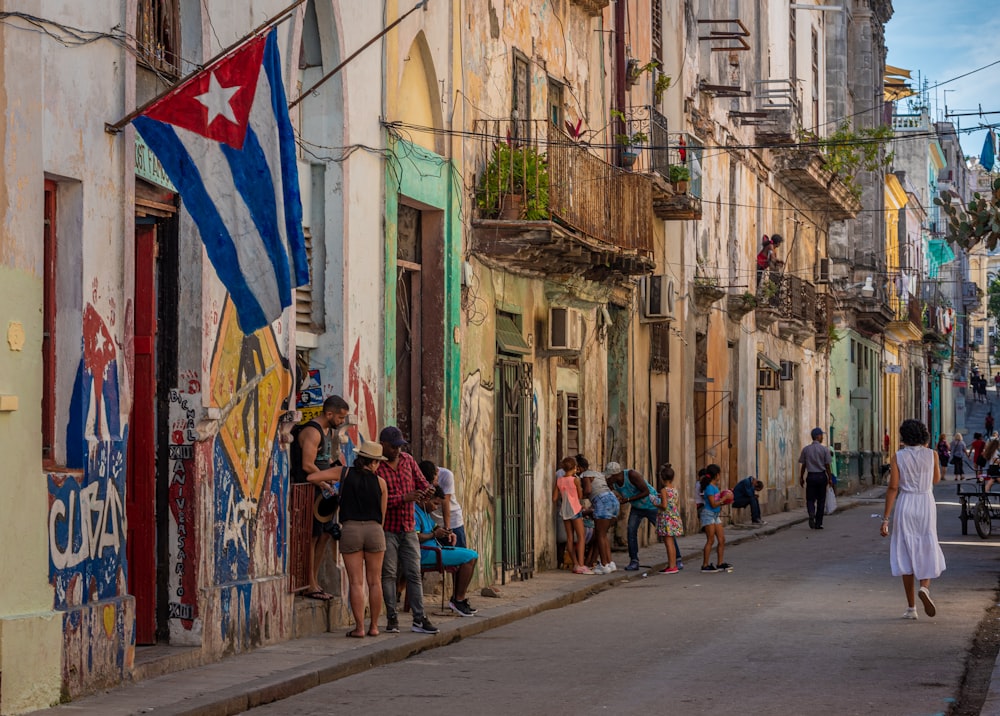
[[141, 480]]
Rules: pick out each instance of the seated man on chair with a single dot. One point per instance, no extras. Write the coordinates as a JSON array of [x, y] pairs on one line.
[[464, 559], [745, 494]]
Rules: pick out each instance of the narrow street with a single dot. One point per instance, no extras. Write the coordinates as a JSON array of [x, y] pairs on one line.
[[808, 622]]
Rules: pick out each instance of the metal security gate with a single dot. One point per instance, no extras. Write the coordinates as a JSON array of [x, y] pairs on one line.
[[515, 458]]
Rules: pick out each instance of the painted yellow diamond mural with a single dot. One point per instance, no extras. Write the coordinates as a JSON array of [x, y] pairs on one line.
[[250, 384]]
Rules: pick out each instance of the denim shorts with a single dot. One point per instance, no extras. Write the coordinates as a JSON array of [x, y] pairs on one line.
[[709, 517], [606, 506]]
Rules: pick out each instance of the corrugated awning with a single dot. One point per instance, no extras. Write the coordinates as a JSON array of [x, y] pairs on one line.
[[509, 339], [768, 362]]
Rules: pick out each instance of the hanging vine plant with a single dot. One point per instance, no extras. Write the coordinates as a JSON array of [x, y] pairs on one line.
[[848, 152]]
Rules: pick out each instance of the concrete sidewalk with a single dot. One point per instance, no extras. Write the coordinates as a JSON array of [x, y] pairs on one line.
[[271, 673]]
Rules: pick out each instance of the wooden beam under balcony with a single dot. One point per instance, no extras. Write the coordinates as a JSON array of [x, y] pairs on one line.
[[672, 206], [548, 248], [805, 171], [592, 7]]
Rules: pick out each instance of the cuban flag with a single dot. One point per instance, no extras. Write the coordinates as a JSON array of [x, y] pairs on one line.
[[226, 142]]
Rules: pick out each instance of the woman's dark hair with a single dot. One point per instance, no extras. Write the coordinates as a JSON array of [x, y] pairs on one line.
[[913, 432], [361, 462], [428, 469], [664, 474], [583, 462], [708, 474]]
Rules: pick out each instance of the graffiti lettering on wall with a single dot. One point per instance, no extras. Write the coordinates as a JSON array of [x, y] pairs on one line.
[[477, 469], [183, 602], [86, 520]]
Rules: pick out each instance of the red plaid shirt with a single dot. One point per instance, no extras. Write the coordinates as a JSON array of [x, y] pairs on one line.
[[401, 480]]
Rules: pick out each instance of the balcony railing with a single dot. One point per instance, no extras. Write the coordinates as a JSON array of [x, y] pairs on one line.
[[907, 322], [535, 181], [911, 123], [789, 300]]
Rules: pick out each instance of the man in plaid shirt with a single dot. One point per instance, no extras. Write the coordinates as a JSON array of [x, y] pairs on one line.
[[406, 485]]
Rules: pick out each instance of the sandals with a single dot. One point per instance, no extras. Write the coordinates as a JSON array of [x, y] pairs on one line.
[[319, 595], [352, 635]]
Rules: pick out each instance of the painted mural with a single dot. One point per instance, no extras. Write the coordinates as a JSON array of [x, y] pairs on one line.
[[182, 606], [252, 387], [87, 525], [477, 495]]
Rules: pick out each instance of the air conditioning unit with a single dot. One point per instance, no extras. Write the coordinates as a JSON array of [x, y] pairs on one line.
[[787, 370], [565, 329], [823, 270], [767, 378], [657, 294]]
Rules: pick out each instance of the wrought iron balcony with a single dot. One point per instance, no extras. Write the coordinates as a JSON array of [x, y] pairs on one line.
[[545, 204], [872, 313], [669, 158], [788, 300], [805, 171]]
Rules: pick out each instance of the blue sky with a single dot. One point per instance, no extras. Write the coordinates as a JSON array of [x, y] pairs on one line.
[[942, 39]]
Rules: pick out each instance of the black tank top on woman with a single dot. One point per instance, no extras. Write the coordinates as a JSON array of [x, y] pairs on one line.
[[360, 496]]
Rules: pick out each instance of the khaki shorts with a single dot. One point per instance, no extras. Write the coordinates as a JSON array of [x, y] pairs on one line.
[[364, 536]]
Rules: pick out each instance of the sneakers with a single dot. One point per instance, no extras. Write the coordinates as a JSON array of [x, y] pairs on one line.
[[925, 599], [725, 567], [582, 569], [392, 626], [423, 626], [601, 569], [633, 566], [461, 607], [611, 567], [709, 568], [759, 523], [910, 613], [668, 570], [680, 565]]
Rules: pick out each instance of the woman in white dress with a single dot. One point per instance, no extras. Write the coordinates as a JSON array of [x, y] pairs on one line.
[[914, 552]]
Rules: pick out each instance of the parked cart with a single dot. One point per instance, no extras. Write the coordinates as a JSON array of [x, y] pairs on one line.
[[979, 506]]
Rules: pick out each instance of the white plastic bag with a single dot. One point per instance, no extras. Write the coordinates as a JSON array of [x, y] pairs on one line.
[[831, 500]]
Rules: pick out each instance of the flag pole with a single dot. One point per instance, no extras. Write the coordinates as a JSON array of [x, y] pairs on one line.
[[117, 127], [338, 68]]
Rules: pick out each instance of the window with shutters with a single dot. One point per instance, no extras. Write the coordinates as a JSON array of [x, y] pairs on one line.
[[157, 36], [520, 110], [815, 80], [304, 320], [556, 102], [657, 30], [659, 349]]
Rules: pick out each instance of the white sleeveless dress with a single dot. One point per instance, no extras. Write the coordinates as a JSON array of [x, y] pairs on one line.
[[914, 547]]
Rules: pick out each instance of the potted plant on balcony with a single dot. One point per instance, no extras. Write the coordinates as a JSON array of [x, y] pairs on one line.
[[740, 304], [706, 289], [679, 175], [629, 141], [515, 184]]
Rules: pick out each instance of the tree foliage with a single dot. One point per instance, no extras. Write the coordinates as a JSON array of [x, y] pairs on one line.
[[979, 221], [993, 302], [848, 152]]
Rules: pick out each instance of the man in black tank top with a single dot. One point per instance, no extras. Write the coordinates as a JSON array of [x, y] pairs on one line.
[[318, 455]]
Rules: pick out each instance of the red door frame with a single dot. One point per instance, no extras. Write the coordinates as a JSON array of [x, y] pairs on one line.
[[141, 488]]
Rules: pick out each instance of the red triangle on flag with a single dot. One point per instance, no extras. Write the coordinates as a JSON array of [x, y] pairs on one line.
[[216, 102]]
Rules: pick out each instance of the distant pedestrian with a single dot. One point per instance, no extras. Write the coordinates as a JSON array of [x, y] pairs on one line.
[[632, 489], [568, 493], [668, 520], [914, 552], [711, 521], [745, 495], [976, 448], [605, 508], [958, 454], [996, 382], [815, 476], [944, 453], [989, 422]]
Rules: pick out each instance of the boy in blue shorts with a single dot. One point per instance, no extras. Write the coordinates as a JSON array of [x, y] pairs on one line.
[[430, 535]]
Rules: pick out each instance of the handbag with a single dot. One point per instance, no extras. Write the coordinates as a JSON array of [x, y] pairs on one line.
[[831, 501]]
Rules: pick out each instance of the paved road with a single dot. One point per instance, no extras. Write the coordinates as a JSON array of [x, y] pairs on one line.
[[808, 623]]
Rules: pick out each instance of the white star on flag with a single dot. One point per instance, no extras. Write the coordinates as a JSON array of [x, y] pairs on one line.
[[217, 100]]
